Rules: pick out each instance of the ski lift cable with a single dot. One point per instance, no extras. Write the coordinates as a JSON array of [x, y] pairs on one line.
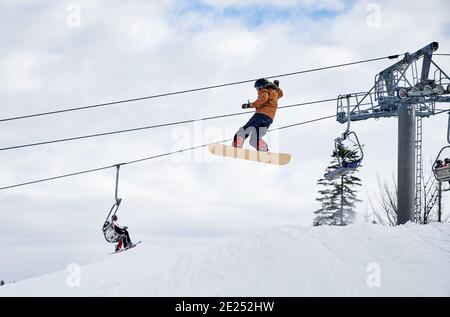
[[150, 157], [193, 90], [344, 136], [14, 147], [154, 126]]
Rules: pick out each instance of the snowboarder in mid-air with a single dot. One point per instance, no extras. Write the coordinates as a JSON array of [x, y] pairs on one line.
[[266, 107], [126, 241]]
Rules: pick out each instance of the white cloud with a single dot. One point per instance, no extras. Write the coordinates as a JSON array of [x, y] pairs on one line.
[[17, 74], [231, 44]]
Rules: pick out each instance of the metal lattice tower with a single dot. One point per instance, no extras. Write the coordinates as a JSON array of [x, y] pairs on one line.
[[419, 171], [403, 91]]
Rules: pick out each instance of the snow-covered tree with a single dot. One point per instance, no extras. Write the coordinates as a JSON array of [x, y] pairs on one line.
[[338, 197]]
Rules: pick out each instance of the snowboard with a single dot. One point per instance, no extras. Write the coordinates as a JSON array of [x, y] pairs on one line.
[[250, 155], [122, 250]]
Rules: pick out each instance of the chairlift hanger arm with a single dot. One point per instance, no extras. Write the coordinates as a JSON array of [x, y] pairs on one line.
[[448, 129], [358, 144], [348, 117], [118, 200]]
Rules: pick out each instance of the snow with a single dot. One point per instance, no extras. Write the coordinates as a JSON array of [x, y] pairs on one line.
[[357, 260]]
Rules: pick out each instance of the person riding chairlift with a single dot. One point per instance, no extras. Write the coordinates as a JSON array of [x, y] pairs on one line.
[[125, 242], [440, 164], [446, 162]]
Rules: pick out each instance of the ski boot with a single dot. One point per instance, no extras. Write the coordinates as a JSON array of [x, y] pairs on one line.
[[238, 142], [262, 146], [119, 245]]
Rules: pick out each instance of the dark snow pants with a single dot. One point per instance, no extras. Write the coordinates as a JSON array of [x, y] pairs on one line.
[[256, 128], [126, 240]]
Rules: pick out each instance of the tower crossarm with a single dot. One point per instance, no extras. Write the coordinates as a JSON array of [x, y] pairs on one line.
[[399, 84]]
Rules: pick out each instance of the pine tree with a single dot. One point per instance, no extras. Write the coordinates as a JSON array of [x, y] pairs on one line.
[[338, 198], [2, 282]]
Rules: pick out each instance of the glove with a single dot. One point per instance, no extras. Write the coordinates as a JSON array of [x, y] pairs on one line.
[[277, 83], [246, 105]]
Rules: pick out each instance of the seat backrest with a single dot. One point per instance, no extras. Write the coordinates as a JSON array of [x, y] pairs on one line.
[[110, 234]]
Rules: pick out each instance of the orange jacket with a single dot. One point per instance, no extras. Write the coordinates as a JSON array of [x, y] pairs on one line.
[[267, 102]]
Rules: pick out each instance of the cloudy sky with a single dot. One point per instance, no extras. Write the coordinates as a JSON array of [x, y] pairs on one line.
[[60, 54]]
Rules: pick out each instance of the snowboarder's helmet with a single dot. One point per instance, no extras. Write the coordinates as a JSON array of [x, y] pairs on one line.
[[261, 83], [114, 217]]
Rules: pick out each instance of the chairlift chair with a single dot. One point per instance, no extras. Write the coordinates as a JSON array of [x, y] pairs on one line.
[[442, 174], [344, 166]]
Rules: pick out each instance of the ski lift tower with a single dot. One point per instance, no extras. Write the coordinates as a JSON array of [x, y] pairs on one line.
[[401, 91]]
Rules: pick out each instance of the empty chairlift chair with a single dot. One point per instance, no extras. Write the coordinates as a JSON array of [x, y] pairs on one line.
[[345, 164]]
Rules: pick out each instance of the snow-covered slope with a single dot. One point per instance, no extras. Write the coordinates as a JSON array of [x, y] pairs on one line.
[[368, 260]]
